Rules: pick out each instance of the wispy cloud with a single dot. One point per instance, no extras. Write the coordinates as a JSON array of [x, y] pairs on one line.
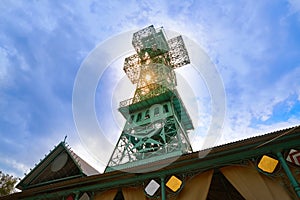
[[4, 69], [254, 112], [13, 167], [254, 45], [294, 6]]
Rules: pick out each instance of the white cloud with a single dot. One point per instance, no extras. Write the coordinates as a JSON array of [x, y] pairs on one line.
[[17, 167], [244, 132], [294, 6], [275, 93], [234, 35], [238, 37], [259, 105], [4, 68]]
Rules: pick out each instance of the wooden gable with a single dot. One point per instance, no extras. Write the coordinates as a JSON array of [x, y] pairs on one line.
[[60, 164]]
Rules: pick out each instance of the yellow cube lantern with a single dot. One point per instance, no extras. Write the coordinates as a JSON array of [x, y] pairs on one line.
[[174, 183], [267, 164]]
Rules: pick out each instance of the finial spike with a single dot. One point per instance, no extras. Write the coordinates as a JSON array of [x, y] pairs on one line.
[[65, 139]]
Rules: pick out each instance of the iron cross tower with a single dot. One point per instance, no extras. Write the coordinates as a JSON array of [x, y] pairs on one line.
[[157, 122]]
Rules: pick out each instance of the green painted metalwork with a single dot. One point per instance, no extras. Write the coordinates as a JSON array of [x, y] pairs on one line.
[[76, 195], [163, 188], [217, 158], [289, 174], [157, 122], [157, 127], [54, 181]]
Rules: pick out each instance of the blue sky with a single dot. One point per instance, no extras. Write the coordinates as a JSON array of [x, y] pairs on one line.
[[255, 46]]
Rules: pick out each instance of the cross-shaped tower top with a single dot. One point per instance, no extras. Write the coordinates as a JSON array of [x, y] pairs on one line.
[[152, 66], [157, 121]]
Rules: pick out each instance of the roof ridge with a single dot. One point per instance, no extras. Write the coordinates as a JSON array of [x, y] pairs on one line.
[[84, 166]]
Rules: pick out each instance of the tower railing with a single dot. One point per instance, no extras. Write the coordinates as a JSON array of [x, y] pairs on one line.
[[155, 89], [126, 102]]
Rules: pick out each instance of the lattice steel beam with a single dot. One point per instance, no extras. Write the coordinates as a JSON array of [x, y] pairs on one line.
[[178, 53]]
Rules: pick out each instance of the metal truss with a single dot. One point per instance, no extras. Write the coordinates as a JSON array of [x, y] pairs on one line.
[[152, 70], [158, 138], [152, 49]]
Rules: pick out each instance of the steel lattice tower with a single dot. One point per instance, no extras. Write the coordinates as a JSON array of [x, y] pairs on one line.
[[157, 122]]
